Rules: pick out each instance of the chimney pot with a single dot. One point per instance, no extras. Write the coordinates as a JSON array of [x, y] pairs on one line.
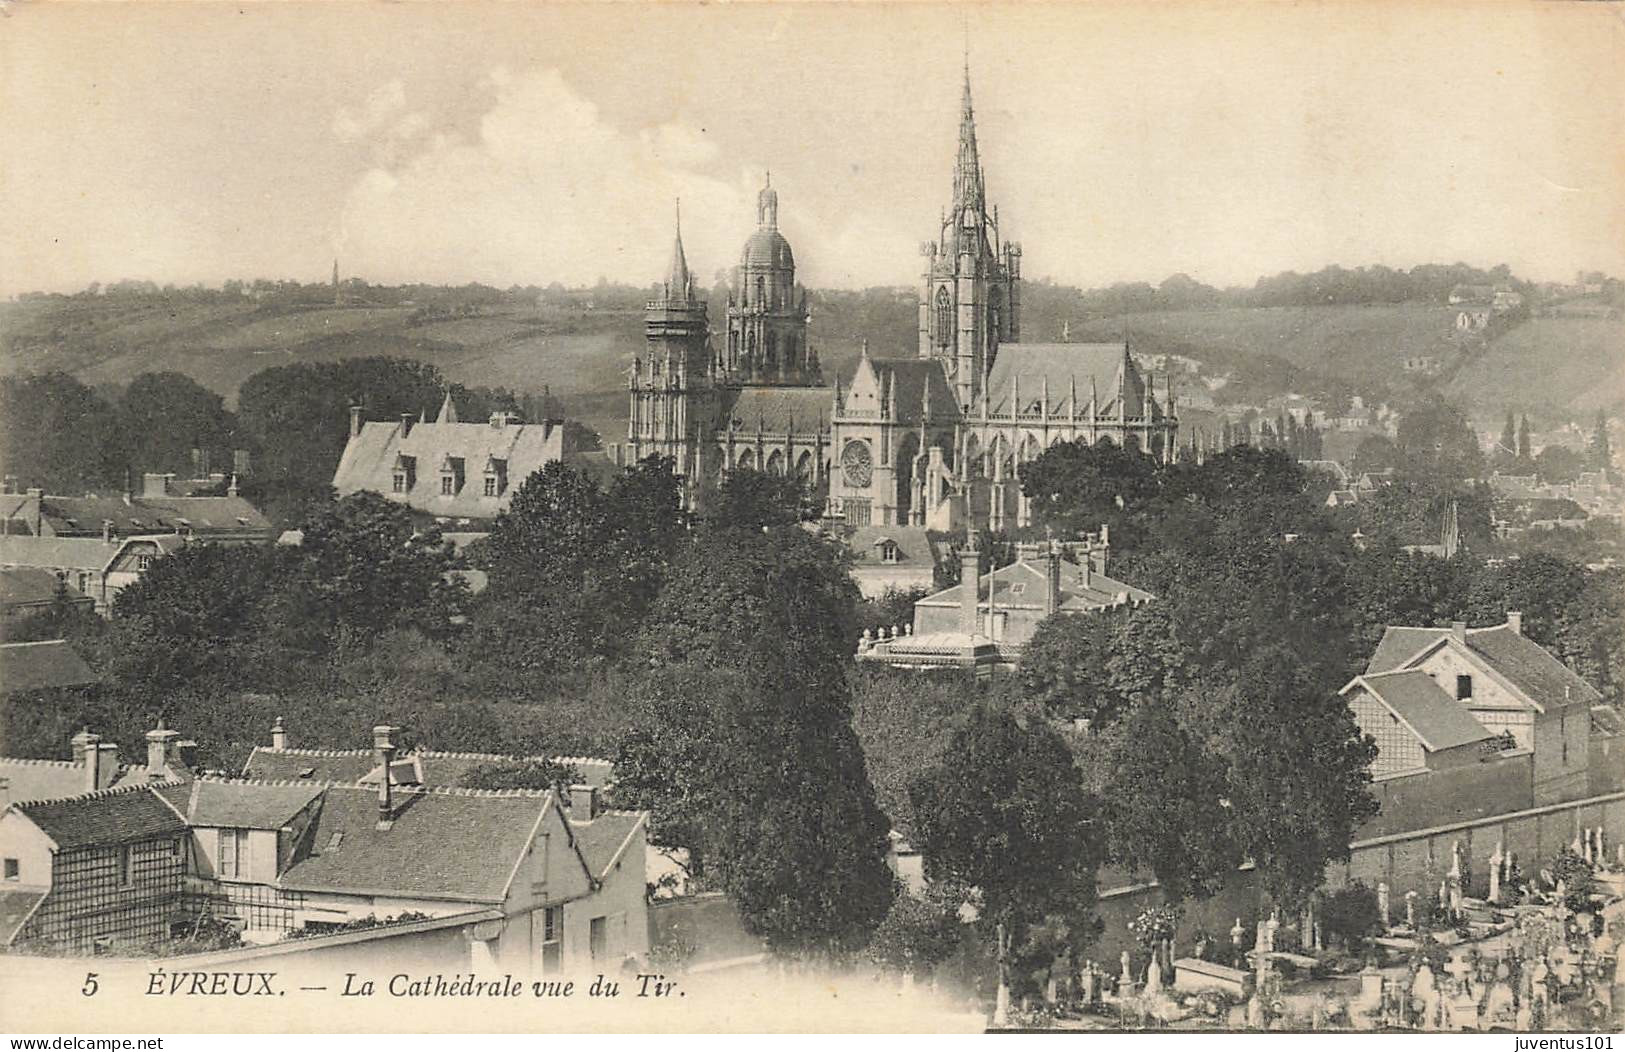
[[383, 743], [355, 420], [1515, 621], [106, 764], [87, 750], [159, 741], [1458, 629], [406, 424], [279, 735]]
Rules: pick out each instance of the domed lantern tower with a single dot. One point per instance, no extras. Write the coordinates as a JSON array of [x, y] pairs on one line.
[[767, 312]]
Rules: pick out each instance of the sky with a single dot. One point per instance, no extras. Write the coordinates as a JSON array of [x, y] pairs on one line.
[[529, 143]]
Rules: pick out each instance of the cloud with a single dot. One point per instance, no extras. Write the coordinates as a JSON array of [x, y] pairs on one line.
[[351, 123], [547, 189]]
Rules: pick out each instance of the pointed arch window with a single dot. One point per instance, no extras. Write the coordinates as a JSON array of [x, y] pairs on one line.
[[945, 317]]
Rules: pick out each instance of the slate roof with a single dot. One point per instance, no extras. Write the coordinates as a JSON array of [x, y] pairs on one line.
[[28, 586], [1021, 586], [425, 767], [1062, 364], [78, 553], [368, 462], [446, 844], [39, 779], [1440, 721], [1546, 681], [16, 906], [83, 516], [246, 805], [602, 840], [911, 377], [42, 665], [112, 816], [914, 546], [777, 410]]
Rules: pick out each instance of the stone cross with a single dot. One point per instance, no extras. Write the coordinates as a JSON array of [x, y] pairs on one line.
[[1128, 974], [1382, 904], [1459, 968]]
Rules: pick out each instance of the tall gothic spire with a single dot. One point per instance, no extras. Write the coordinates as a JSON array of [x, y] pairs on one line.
[[968, 168], [677, 276]]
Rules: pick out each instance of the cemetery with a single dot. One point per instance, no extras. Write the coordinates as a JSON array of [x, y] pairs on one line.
[[1513, 946]]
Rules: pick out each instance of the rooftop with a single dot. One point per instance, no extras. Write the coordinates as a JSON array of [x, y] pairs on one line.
[[44, 665], [1530, 668], [111, 816], [422, 767], [1439, 720]]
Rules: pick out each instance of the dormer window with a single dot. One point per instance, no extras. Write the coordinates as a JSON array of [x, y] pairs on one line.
[[496, 477], [451, 476], [889, 552], [405, 473], [1464, 688]]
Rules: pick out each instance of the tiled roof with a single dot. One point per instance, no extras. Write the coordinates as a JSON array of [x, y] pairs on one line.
[[39, 779], [42, 666], [368, 462], [1439, 720], [776, 410], [84, 515], [425, 767], [16, 906], [26, 586], [1543, 679], [447, 844], [247, 805], [602, 840], [112, 816]]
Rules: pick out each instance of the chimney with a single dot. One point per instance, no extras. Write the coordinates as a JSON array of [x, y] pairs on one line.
[[406, 424], [583, 803], [159, 740], [231, 487], [279, 736], [970, 585], [1458, 630], [88, 754], [239, 461], [1515, 621], [108, 534], [1052, 578], [383, 745], [106, 764], [10, 485], [185, 753], [355, 420]]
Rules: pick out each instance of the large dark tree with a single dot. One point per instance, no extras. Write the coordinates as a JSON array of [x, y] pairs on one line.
[[1435, 440], [1004, 812], [57, 434], [754, 499], [168, 415], [744, 745]]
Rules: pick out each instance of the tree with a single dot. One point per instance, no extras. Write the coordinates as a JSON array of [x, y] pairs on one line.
[[744, 747], [1506, 451], [519, 774], [364, 568], [918, 933], [1005, 814], [1601, 452], [1524, 452], [757, 499], [1559, 464], [1075, 486], [167, 415], [58, 434], [1436, 440]]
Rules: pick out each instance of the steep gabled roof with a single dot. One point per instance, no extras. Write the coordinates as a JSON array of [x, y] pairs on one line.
[[40, 779], [443, 844], [1529, 668], [777, 410], [247, 805], [1021, 585], [1437, 719], [85, 515], [426, 767], [604, 840], [42, 665], [1030, 366], [112, 816]]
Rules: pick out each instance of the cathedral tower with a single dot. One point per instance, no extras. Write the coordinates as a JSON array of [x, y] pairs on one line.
[[970, 292], [671, 384], [767, 312]]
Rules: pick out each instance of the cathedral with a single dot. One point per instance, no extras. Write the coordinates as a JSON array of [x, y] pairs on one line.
[[933, 440]]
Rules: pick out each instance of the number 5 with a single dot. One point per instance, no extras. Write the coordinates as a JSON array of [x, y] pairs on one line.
[[89, 989]]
